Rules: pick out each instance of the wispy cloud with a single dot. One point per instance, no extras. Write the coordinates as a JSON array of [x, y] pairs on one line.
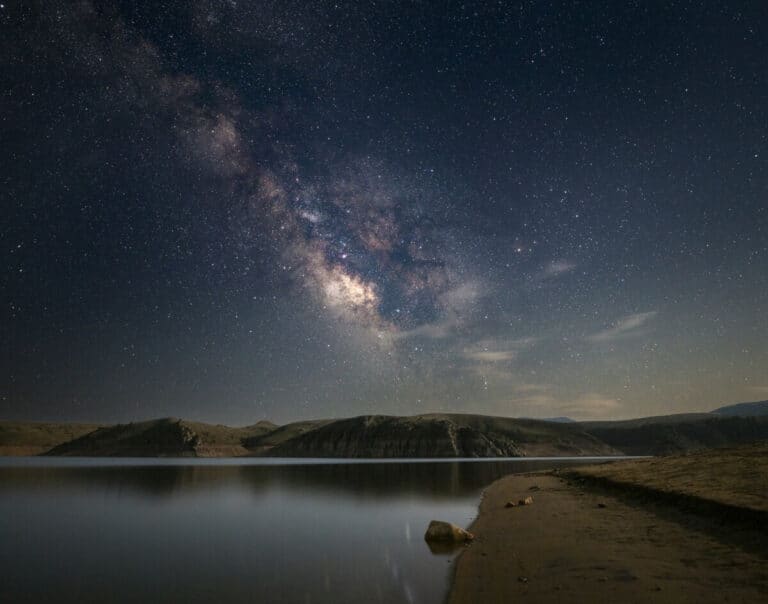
[[525, 388], [544, 400], [590, 406], [455, 304], [630, 325], [759, 390], [531, 397], [533, 403], [435, 331], [490, 356], [559, 267], [496, 351]]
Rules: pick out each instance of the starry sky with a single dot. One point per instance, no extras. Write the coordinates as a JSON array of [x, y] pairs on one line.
[[289, 209]]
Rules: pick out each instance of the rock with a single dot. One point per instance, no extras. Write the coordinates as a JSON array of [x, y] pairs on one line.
[[534, 488], [445, 532], [601, 505], [510, 504], [523, 579], [526, 501]]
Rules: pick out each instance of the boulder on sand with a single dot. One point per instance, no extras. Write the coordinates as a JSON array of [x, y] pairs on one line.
[[445, 532]]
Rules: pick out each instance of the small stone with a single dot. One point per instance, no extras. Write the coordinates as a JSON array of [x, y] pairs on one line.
[[526, 501], [601, 505], [523, 579], [510, 504]]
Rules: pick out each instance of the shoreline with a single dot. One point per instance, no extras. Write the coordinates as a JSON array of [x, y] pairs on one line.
[[589, 542]]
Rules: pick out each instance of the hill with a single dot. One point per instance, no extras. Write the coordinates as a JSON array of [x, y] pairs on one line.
[[441, 435], [759, 408], [33, 438], [666, 435], [168, 437], [734, 478], [372, 436], [262, 443]]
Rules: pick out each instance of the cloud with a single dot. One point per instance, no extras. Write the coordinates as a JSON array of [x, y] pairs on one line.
[[490, 356], [435, 331], [531, 401], [529, 397], [497, 351], [589, 406], [624, 327], [540, 400], [525, 388], [455, 304], [559, 267]]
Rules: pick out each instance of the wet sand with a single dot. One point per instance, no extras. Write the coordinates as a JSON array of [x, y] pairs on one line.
[[578, 543]]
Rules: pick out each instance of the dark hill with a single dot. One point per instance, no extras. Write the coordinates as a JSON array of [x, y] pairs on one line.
[[759, 408], [33, 438], [154, 438], [371, 436], [167, 437], [677, 434], [261, 443], [440, 435]]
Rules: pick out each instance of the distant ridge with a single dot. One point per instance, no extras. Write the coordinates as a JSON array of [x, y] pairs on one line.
[[387, 436], [756, 409]]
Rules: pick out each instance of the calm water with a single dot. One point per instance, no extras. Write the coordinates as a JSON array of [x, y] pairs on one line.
[[303, 531]]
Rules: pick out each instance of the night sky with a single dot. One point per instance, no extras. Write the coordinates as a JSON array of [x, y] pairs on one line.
[[230, 210]]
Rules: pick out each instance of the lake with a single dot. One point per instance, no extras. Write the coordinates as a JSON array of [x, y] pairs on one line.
[[234, 530]]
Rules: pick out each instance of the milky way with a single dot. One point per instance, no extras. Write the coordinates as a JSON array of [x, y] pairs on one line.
[[230, 211]]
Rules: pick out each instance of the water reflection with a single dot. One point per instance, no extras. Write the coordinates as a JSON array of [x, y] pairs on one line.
[[424, 479], [204, 533]]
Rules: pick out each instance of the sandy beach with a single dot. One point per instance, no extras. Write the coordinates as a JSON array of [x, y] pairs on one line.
[[578, 543]]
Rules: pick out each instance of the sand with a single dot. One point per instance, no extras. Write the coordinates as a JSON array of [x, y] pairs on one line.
[[579, 544]]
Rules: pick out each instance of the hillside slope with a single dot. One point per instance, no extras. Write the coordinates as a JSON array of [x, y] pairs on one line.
[[168, 437], [734, 477], [371, 436], [33, 438], [678, 434], [440, 435], [263, 443], [758, 408]]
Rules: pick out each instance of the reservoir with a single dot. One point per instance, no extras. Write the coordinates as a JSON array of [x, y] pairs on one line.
[[304, 531]]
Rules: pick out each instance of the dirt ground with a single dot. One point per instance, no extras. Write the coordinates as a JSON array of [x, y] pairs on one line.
[[735, 476], [586, 545]]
